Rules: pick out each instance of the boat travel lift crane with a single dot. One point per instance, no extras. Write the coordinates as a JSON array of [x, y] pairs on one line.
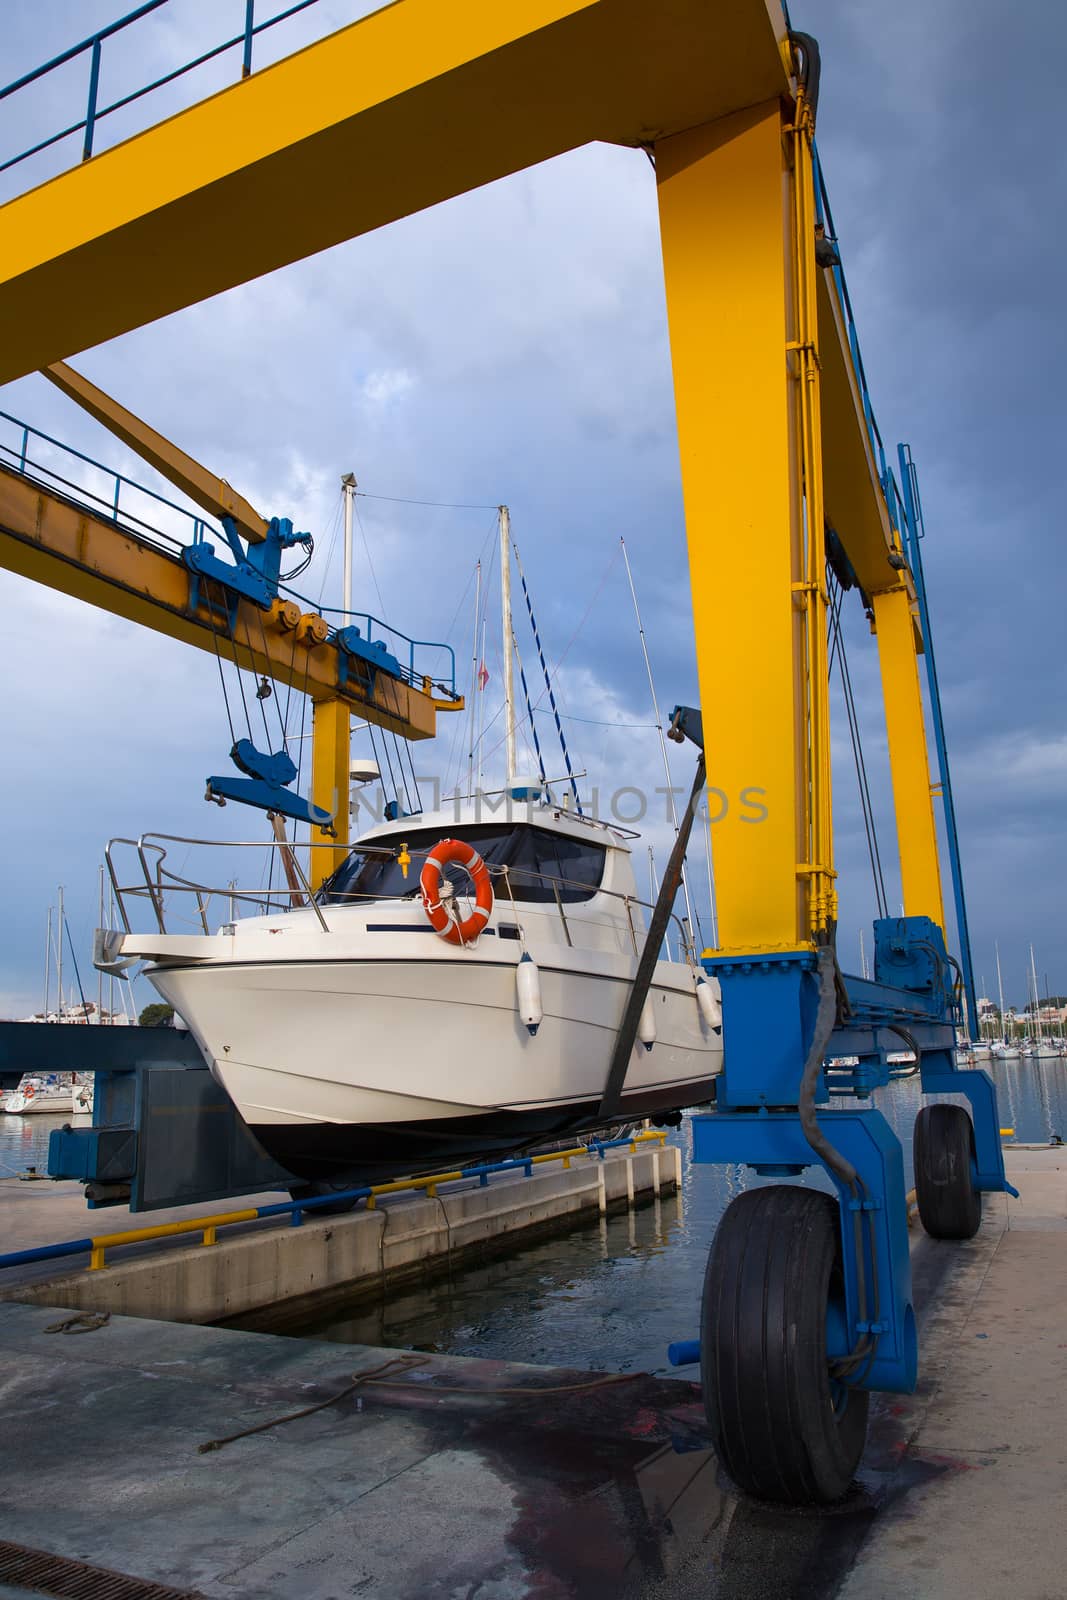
[[807, 1305], [47, 532]]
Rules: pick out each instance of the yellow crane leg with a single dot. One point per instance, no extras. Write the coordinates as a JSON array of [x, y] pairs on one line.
[[725, 221], [909, 761], [330, 755]]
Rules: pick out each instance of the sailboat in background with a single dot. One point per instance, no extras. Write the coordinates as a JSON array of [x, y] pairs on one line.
[[1044, 1048], [1005, 1049]]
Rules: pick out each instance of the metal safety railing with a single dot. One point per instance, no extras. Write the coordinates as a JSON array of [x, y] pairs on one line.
[[25, 450], [97, 1245], [92, 46], [824, 218], [157, 881]]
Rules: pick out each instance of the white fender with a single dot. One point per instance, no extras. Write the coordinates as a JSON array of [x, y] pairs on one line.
[[709, 1003], [646, 1027], [528, 987]]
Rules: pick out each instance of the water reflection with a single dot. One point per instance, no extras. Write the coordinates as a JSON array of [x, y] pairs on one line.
[[24, 1142]]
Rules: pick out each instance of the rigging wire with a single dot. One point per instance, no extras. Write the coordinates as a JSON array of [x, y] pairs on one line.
[[474, 755], [370, 563], [839, 652], [335, 527], [261, 700], [548, 681], [530, 717], [440, 505], [567, 648], [406, 744], [671, 807], [593, 722]]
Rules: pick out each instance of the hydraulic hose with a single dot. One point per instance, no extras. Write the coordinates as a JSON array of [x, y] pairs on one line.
[[809, 67], [825, 1018]]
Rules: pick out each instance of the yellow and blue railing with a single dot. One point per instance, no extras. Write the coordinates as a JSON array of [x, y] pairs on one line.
[[97, 1245]]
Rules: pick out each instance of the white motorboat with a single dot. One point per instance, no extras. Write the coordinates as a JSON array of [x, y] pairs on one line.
[[359, 1044]]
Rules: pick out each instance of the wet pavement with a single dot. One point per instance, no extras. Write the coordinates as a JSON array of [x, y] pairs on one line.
[[448, 1476]]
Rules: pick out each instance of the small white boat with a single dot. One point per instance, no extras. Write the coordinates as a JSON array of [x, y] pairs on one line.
[[36, 1096], [358, 1044]]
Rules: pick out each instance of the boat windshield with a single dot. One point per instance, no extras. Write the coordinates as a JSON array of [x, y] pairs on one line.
[[540, 864]]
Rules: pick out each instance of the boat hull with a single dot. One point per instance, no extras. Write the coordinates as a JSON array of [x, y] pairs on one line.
[[364, 1070], [367, 1153]]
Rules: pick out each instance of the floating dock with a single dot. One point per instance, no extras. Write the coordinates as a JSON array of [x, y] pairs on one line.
[[442, 1476]]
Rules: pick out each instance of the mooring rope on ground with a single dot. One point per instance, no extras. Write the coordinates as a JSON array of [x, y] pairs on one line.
[[376, 1376]]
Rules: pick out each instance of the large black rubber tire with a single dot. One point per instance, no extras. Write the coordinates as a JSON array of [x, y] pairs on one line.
[[781, 1429], [950, 1207], [319, 1188]]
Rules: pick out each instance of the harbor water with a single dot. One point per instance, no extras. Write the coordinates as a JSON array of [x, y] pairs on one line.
[[613, 1294], [24, 1142]]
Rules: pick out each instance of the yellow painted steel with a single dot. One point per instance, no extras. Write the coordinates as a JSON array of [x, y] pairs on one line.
[[418, 102], [726, 222], [811, 595], [54, 542], [210, 492], [908, 758], [855, 505], [165, 1230], [331, 746]]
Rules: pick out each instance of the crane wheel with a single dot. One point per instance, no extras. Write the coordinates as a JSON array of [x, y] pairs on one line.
[[784, 1429], [950, 1207]]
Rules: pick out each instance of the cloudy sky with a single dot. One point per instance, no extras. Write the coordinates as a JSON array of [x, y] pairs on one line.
[[512, 346]]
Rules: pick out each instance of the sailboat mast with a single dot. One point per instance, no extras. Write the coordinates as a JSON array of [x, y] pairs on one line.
[[505, 604], [1000, 996], [47, 963], [474, 678], [99, 974], [1037, 997], [59, 952], [348, 485]]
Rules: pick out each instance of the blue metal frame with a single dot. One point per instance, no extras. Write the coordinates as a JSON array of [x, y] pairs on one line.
[[769, 1010], [254, 571], [256, 568], [771, 1140], [913, 532]]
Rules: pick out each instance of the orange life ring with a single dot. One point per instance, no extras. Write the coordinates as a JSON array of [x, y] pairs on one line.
[[442, 920]]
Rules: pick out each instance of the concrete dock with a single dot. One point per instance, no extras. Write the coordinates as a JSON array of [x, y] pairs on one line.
[[255, 1265], [444, 1477]]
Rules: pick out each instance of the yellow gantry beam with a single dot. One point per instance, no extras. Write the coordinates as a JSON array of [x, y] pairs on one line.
[[423, 100], [725, 219], [60, 544], [909, 760], [214, 494]]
